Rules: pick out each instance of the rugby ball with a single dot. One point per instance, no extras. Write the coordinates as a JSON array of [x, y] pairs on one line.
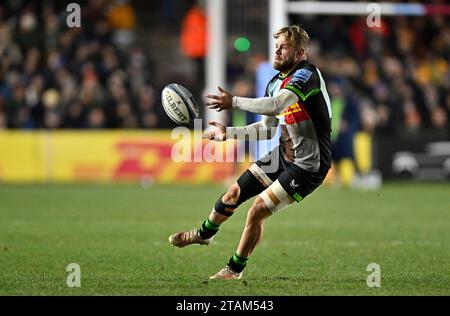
[[179, 104]]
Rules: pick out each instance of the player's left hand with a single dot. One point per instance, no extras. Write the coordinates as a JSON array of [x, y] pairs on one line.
[[220, 102], [217, 133]]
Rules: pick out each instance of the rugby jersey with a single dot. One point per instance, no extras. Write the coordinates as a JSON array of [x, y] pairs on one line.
[[306, 124]]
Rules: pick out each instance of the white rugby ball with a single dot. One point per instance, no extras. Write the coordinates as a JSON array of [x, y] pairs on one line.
[[179, 104]]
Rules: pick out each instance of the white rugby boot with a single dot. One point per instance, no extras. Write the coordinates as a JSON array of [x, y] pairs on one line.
[[183, 239], [226, 274]]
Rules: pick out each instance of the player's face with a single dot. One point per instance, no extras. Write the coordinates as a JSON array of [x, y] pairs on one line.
[[286, 56]]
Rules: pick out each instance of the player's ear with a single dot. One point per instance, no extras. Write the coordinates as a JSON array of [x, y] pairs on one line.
[[300, 52]]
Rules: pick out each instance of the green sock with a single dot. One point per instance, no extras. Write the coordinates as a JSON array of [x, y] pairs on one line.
[[208, 229], [237, 263]]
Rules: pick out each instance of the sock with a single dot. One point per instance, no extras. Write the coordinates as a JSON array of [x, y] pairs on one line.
[[237, 263], [208, 229]]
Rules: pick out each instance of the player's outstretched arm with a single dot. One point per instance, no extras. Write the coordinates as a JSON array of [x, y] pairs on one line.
[[264, 129], [266, 105]]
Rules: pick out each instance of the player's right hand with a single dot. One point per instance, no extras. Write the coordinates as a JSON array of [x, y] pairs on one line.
[[217, 132], [222, 101]]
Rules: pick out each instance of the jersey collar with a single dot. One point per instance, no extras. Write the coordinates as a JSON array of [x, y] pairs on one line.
[[300, 65]]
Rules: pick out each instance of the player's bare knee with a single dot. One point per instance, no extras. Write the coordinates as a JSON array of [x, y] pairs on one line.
[[232, 195], [258, 212], [259, 205]]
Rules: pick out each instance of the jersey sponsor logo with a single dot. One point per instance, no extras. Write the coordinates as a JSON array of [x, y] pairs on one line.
[[302, 75], [293, 184], [294, 114]]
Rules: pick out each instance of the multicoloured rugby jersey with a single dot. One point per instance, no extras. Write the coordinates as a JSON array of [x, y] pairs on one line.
[[306, 124]]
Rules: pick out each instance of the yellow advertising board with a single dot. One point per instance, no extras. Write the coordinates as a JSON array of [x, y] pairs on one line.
[[103, 156]]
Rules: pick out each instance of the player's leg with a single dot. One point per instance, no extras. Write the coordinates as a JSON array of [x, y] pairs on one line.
[[252, 182], [270, 201], [292, 184], [222, 210], [247, 186]]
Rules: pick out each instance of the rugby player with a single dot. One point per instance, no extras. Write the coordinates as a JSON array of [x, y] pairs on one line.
[[297, 99]]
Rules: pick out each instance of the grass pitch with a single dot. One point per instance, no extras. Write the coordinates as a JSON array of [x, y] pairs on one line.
[[321, 246]]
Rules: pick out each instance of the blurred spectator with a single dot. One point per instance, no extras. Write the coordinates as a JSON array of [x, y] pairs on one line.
[[345, 124], [29, 35], [96, 118], [75, 116], [122, 20], [193, 37], [146, 106], [136, 69], [10, 54], [51, 25]]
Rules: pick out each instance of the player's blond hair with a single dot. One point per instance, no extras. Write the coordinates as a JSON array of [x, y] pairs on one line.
[[295, 36]]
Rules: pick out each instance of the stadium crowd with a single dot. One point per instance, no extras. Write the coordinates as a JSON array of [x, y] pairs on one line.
[[399, 73], [52, 76]]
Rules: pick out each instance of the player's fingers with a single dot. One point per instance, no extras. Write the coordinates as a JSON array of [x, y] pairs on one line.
[[215, 106], [212, 103], [213, 96], [222, 89]]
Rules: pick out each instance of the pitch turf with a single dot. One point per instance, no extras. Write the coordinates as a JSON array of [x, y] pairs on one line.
[[322, 246]]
